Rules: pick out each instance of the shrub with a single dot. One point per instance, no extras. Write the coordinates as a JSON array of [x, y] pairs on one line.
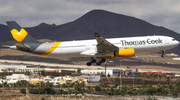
[[175, 93], [46, 90], [22, 90], [64, 92], [43, 99], [34, 91], [80, 92], [135, 93], [78, 88], [128, 92], [41, 91], [88, 87], [97, 88], [49, 90]]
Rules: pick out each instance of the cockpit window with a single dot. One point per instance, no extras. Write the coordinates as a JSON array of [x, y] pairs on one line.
[[173, 40]]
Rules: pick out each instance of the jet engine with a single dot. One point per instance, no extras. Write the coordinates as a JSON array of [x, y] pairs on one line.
[[127, 52]]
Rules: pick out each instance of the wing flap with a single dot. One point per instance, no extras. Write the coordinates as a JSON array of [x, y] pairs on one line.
[[104, 46]]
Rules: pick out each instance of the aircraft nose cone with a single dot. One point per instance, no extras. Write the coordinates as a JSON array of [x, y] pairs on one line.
[[177, 43]]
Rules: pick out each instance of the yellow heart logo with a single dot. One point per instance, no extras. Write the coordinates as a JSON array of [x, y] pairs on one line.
[[19, 36]]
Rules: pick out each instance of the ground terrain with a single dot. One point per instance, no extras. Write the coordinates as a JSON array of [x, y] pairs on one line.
[[144, 61], [46, 97]]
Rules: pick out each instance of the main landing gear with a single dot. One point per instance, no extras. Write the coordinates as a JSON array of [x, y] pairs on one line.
[[92, 60], [100, 61], [163, 55]]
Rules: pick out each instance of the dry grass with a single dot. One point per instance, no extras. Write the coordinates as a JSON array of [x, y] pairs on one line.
[[39, 97]]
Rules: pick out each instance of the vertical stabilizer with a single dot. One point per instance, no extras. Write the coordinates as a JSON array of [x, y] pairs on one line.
[[20, 34]]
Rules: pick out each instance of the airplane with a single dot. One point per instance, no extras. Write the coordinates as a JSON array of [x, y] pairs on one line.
[[99, 47]]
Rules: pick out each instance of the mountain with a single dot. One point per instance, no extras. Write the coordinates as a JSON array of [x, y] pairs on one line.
[[107, 24]]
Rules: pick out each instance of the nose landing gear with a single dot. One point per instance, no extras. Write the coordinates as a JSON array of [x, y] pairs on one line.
[[163, 55]]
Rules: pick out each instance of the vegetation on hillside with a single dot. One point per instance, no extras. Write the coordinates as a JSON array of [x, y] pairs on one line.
[[104, 89]]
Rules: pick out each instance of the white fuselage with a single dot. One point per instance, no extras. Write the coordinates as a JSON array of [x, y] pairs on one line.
[[98, 47], [84, 48]]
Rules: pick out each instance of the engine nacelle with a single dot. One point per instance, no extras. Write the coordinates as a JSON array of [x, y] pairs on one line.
[[128, 52], [109, 57]]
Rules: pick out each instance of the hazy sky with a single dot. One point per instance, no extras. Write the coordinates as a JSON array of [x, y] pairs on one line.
[[30, 13]]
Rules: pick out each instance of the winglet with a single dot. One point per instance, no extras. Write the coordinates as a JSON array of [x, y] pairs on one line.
[[97, 35]]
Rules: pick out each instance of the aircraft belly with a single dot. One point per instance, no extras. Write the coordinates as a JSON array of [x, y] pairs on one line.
[[43, 48], [148, 48], [67, 52], [167, 47]]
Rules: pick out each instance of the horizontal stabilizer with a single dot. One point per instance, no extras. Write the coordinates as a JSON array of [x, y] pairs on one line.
[[18, 46], [8, 46]]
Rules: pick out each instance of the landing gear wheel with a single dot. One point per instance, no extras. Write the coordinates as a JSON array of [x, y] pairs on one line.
[[93, 60], [103, 60], [162, 55], [163, 52], [98, 63], [88, 63]]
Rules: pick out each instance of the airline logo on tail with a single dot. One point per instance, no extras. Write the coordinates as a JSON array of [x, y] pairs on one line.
[[19, 36]]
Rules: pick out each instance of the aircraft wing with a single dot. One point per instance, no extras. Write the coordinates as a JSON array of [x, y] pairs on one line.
[[103, 46]]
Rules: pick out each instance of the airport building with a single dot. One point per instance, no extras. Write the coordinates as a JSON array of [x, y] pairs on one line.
[[4, 67], [130, 73], [36, 69], [55, 80], [110, 72], [168, 74], [91, 78]]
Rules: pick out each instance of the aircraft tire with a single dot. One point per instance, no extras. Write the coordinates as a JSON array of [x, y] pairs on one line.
[[103, 60], [93, 61], [98, 63], [162, 55], [88, 63]]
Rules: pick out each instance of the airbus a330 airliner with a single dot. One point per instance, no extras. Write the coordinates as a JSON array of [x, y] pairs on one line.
[[97, 48]]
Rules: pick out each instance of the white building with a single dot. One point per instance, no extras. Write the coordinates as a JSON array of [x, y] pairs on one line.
[[47, 78], [15, 77], [110, 72], [55, 80], [11, 67], [91, 78]]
